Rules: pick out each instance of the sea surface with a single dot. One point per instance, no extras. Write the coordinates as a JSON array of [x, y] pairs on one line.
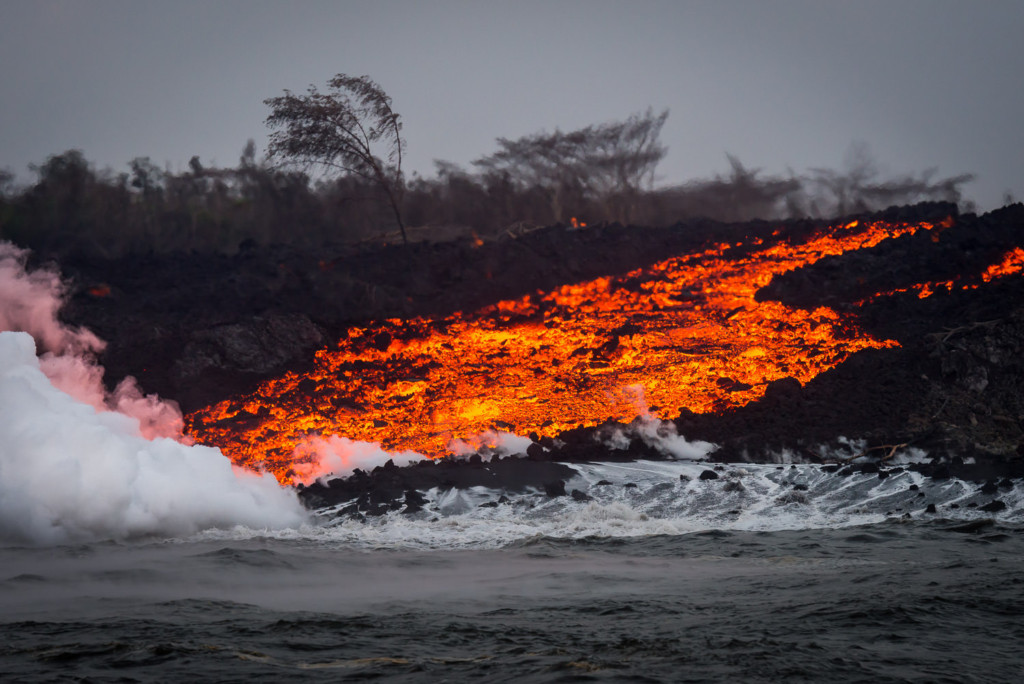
[[765, 574]]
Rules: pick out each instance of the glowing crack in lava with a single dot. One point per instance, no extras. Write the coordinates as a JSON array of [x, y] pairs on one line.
[[683, 333], [1012, 263]]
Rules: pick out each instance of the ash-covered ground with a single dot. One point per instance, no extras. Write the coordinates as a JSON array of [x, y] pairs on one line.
[[200, 328]]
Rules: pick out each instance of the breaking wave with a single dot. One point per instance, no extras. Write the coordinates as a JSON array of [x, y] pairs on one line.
[[649, 498]]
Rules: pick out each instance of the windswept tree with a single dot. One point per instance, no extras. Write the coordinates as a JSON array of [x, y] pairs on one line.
[[858, 188], [350, 128], [610, 164]]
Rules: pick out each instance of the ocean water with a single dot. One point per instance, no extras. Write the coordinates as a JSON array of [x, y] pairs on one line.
[[768, 573]]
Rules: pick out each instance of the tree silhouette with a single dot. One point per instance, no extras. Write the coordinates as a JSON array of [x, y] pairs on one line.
[[610, 163], [351, 128]]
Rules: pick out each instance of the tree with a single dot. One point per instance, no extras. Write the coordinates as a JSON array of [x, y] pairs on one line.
[[351, 128], [7, 184], [858, 188], [609, 163]]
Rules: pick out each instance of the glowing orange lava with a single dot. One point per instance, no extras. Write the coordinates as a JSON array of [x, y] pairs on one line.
[[1012, 263], [683, 333]]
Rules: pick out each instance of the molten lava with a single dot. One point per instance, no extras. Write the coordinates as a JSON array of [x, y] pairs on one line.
[[685, 333], [1012, 263]]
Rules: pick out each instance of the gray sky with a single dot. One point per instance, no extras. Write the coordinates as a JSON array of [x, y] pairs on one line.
[[786, 84]]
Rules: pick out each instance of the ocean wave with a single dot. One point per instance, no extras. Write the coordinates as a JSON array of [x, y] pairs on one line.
[[656, 498]]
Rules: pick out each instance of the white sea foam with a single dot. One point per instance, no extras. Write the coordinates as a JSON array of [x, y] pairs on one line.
[[745, 497]]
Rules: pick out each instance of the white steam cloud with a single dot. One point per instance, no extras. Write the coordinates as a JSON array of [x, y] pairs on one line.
[[490, 443], [78, 463], [662, 436], [658, 434], [29, 302], [71, 473], [323, 457]]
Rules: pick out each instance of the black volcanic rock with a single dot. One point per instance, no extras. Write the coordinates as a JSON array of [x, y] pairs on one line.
[[954, 385], [414, 501], [260, 345], [555, 488], [783, 390], [384, 487], [536, 452]]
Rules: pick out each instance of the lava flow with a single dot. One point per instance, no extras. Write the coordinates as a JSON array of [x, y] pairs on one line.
[[1012, 263], [685, 333]]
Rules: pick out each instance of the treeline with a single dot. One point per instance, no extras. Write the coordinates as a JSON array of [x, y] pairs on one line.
[[602, 173]]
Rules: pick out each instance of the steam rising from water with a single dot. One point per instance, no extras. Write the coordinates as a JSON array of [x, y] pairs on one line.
[[661, 435], [71, 473], [77, 463], [29, 301], [320, 458]]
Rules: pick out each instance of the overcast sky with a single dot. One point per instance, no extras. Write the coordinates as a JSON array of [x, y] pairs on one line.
[[780, 84]]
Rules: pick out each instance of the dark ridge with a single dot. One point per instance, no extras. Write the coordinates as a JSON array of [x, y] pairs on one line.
[[200, 327]]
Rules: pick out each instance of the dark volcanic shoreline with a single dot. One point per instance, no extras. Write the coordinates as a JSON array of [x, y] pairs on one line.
[[200, 328]]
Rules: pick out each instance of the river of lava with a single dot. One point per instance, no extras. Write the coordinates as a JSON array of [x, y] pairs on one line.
[[684, 333]]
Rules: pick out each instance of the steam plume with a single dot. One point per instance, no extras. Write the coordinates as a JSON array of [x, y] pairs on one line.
[[77, 463], [321, 457], [658, 434], [29, 302], [491, 442]]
